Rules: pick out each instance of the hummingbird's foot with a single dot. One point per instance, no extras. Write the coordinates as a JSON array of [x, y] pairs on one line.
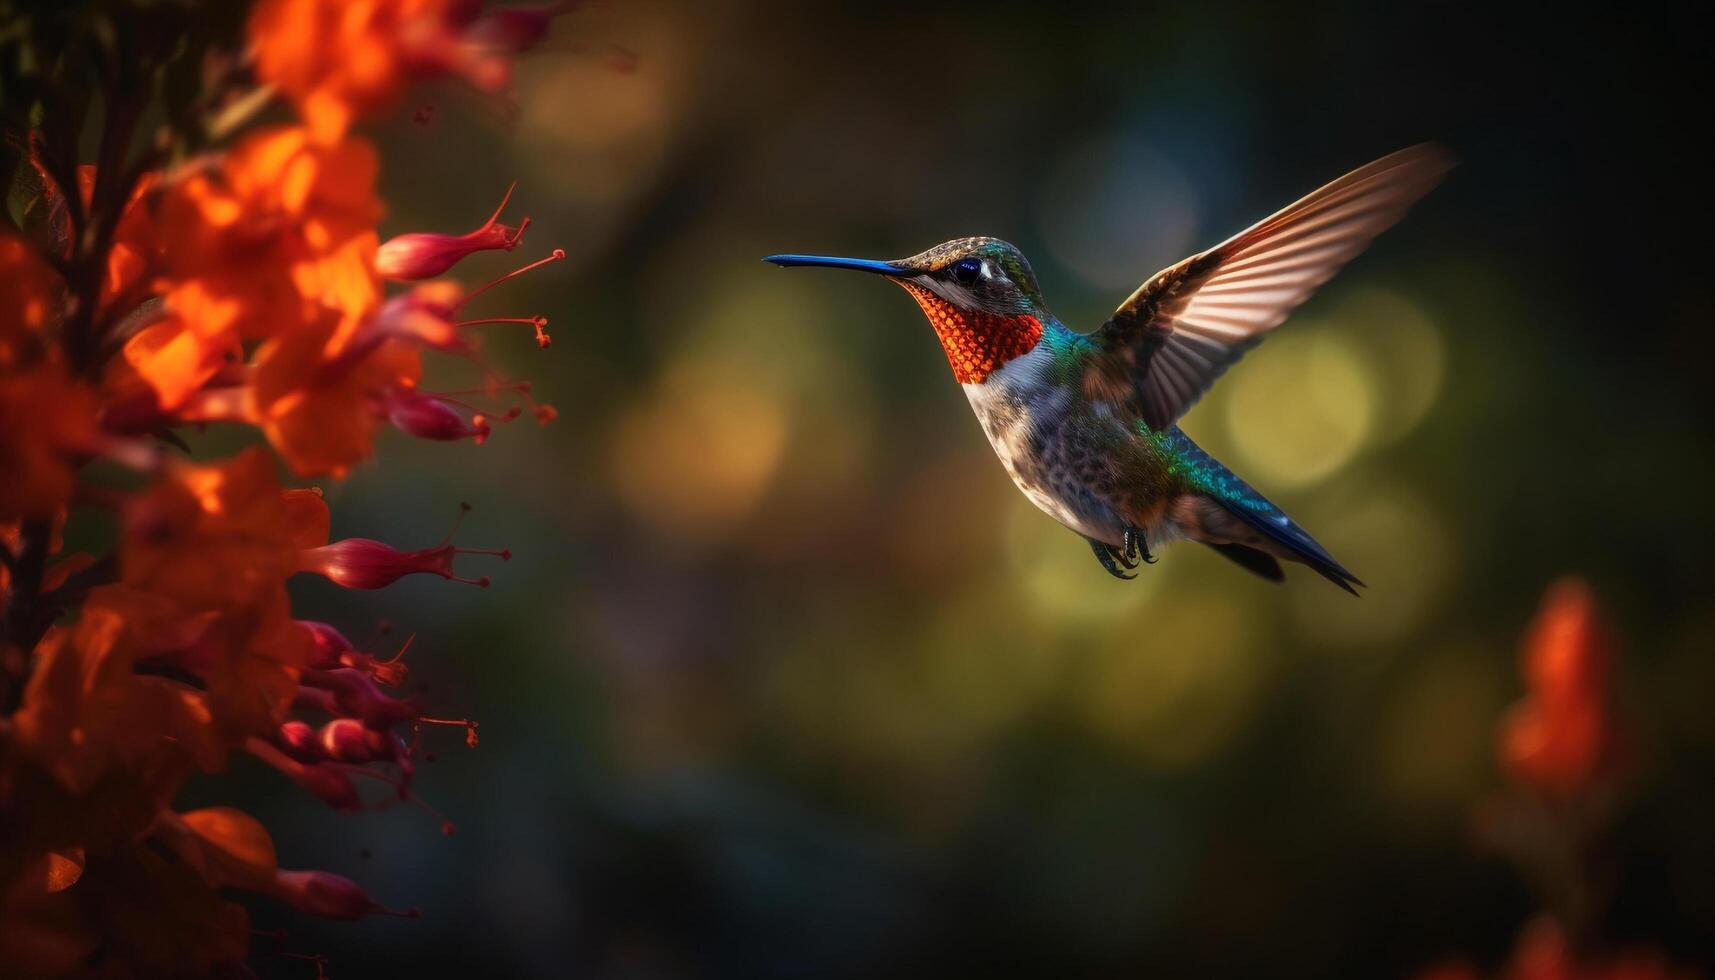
[[1111, 557], [1136, 548]]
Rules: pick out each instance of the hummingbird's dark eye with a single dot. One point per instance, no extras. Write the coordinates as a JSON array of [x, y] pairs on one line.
[[967, 271]]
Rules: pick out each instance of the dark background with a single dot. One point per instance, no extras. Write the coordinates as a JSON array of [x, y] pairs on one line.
[[786, 679]]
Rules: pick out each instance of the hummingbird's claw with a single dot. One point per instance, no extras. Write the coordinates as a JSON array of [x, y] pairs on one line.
[[1137, 548], [1107, 555]]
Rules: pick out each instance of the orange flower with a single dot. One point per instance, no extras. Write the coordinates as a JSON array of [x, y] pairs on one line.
[[86, 711], [283, 229], [212, 537], [47, 421], [228, 847], [341, 59], [135, 252], [1561, 737], [218, 543], [1543, 951], [173, 360], [29, 300], [320, 413]]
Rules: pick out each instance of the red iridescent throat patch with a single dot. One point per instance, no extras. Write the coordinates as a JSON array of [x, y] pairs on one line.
[[977, 344]]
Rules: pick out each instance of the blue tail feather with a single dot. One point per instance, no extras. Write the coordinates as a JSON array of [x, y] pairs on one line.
[[1239, 498]]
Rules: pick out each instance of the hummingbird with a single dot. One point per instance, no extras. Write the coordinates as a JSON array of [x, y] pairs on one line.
[[1086, 423]]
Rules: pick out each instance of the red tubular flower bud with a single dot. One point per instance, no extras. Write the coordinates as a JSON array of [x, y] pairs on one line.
[[331, 649], [299, 741], [362, 563], [331, 785], [328, 895], [424, 315], [313, 699], [431, 416], [355, 695], [349, 740], [329, 644], [424, 255]]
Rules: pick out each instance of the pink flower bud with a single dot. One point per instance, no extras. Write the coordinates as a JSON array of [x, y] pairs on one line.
[[325, 894], [424, 255], [311, 699], [430, 416], [362, 563], [356, 696], [349, 740], [329, 784], [299, 741], [329, 644], [424, 315]]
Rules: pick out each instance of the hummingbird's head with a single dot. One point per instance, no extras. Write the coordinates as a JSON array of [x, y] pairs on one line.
[[978, 293]]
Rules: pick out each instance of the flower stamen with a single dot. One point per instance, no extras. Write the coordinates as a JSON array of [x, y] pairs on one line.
[[555, 256]]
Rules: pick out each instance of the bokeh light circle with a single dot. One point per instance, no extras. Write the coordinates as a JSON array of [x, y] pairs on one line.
[[1300, 411]]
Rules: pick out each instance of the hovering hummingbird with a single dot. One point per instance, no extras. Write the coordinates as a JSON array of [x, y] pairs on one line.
[[1085, 423]]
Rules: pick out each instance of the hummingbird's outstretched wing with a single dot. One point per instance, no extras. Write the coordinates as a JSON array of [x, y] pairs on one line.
[[1164, 347]]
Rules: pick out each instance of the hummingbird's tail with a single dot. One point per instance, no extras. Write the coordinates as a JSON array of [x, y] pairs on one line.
[[1262, 531], [1294, 542]]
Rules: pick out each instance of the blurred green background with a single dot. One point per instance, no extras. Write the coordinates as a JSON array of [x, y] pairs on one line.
[[786, 679]]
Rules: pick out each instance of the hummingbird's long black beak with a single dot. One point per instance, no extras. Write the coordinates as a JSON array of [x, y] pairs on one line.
[[835, 262]]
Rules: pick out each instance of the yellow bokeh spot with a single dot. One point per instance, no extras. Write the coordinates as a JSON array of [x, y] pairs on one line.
[[980, 670], [1174, 685], [694, 457], [598, 134], [1390, 537], [774, 334], [1058, 578], [1300, 412], [1403, 354]]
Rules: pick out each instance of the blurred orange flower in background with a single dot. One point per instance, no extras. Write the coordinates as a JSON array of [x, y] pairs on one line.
[[1561, 738], [134, 255], [1560, 747], [29, 298], [339, 60], [47, 424]]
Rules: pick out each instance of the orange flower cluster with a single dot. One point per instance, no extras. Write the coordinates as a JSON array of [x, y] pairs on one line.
[[1560, 746], [339, 59], [240, 285], [1560, 739], [1544, 952]]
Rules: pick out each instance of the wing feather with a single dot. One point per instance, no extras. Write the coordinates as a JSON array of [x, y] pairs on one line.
[[1164, 347]]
